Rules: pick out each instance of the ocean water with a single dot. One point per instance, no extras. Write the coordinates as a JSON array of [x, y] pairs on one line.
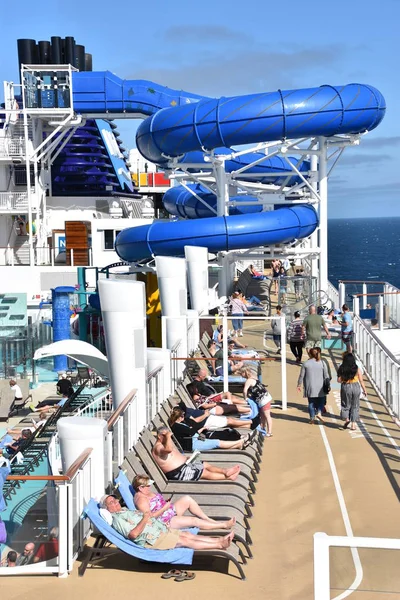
[[364, 249]]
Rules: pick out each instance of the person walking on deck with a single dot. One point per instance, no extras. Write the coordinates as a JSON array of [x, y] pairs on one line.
[[312, 376], [238, 308], [347, 328], [295, 336], [351, 380], [276, 325], [312, 329]]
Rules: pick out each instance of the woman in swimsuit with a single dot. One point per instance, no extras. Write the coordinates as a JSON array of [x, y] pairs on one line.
[[170, 514]]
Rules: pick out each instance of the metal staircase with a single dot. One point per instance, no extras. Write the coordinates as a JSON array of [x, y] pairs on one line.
[[21, 250]]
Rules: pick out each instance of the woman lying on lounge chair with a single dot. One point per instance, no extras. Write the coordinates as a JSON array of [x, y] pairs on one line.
[[195, 436], [172, 514], [150, 532]]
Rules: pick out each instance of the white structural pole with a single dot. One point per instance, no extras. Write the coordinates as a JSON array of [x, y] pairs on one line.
[[342, 294], [123, 306], [222, 188], [222, 210], [197, 271], [364, 297], [323, 215], [157, 357], [313, 242], [322, 587], [75, 435], [226, 274], [283, 362], [381, 321], [225, 351], [356, 305], [28, 186], [171, 275]]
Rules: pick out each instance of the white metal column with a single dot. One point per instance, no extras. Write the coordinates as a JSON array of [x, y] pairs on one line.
[[323, 215], [313, 242]]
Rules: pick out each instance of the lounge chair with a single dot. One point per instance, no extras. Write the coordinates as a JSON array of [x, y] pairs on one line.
[[245, 457], [228, 488], [233, 506], [229, 507], [127, 492], [184, 397], [177, 556], [245, 472]]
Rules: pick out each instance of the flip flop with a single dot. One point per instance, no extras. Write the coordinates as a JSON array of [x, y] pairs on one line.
[[172, 573], [185, 576]]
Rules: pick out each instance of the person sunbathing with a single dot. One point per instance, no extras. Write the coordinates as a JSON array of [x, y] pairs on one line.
[[177, 467], [150, 532], [17, 429], [195, 436], [205, 389], [217, 404], [172, 514]]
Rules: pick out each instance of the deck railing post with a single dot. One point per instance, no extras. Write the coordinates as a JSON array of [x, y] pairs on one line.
[[321, 567]]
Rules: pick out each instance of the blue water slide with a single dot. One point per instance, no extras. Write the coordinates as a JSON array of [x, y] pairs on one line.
[[217, 233], [179, 123]]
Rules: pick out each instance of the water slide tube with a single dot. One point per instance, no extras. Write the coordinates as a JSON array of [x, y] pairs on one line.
[[217, 233], [181, 123]]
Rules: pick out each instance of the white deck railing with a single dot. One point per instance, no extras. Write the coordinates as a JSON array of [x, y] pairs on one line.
[[333, 295], [12, 147], [16, 201], [155, 391], [322, 543], [381, 366]]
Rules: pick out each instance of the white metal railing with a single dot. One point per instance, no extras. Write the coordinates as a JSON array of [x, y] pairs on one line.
[[155, 392], [333, 295], [177, 366], [322, 544], [391, 298], [17, 201], [123, 432], [381, 366], [99, 408], [12, 256], [74, 496], [66, 497], [12, 147]]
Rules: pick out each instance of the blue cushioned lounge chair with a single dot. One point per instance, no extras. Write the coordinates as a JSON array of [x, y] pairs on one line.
[[177, 556]]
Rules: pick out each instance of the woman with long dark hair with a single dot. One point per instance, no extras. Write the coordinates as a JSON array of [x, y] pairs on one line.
[[312, 375], [351, 380]]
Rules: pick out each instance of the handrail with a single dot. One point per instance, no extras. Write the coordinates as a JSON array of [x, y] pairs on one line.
[[37, 478], [376, 339], [69, 475], [371, 282], [78, 463], [154, 372], [121, 408], [377, 294]]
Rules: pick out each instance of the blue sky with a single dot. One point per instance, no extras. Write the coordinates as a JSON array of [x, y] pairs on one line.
[[226, 48]]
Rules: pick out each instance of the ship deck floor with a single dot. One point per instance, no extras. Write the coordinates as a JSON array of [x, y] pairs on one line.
[[296, 497]]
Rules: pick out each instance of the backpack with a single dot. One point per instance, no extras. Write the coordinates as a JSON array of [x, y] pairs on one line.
[[257, 391]]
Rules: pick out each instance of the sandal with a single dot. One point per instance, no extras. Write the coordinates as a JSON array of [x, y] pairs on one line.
[[172, 573], [185, 576]]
